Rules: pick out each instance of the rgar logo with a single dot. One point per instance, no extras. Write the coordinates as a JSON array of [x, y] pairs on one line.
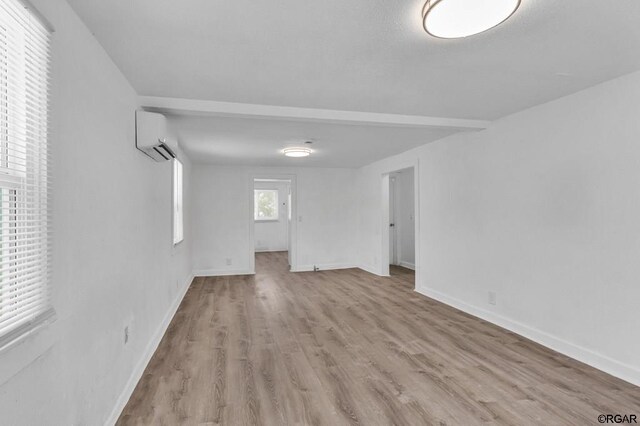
[[618, 418]]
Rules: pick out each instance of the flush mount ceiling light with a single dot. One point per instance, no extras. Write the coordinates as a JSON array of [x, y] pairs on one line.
[[462, 18], [297, 151]]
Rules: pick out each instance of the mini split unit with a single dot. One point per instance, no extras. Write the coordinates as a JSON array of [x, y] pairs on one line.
[[152, 137]]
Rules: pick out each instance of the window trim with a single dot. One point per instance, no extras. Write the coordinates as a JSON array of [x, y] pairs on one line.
[[177, 207], [15, 178], [28, 328]]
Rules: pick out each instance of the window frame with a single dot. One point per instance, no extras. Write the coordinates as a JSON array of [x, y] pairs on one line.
[[178, 201], [25, 252], [275, 218]]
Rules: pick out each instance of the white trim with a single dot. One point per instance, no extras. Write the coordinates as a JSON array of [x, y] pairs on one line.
[[275, 250], [293, 226], [416, 222], [221, 272], [26, 349], [371, 270], [601, 362], [324, 267], [138, 370], [30, 328], [385, 258], [183, 106], [407, 265], [394, 254], [384, 204], [34, 11], [177, 201]]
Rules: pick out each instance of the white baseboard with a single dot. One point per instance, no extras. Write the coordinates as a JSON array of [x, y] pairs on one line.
[[221, 272], [370, 269], [150, 349], [407, 265], [323, 267], [601, 362]]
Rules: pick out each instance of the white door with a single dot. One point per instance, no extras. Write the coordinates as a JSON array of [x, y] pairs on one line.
[[289, 236], [393, 232]]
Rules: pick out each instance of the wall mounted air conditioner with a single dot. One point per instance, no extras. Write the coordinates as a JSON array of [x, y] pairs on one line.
[[152, 137]]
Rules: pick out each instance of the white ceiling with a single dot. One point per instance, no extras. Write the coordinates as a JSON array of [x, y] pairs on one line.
[[369, 56], [364, 55], [259, 142]]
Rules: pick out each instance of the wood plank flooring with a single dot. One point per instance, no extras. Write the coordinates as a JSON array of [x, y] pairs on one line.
[[347, 347]]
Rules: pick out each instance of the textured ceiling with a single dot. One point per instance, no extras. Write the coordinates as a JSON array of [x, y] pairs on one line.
[[363, 55]]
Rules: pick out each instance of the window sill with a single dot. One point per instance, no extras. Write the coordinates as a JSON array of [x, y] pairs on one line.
[[26, 348], [266, 220]]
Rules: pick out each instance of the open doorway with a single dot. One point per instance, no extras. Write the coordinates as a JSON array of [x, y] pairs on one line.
[[273, 232], [401, 224]]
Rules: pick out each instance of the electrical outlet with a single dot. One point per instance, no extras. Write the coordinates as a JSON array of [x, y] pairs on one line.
[[492, 297], [229, 261], [126, 335]]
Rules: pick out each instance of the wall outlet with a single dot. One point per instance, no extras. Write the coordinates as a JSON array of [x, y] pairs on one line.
[[492, 297], [126, 335], [229, 261]]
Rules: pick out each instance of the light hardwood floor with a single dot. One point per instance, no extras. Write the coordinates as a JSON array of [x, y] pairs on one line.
[[347, 347]]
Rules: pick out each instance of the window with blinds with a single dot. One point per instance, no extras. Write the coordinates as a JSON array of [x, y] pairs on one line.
[[25, 296], [178, 214]]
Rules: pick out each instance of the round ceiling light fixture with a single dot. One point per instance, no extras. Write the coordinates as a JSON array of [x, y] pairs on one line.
[[296, 151], [463, 18]]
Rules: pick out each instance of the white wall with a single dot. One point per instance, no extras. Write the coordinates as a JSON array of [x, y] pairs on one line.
[[541, 208], [113, 261], [223, 216], [274, 235], [404, 218]]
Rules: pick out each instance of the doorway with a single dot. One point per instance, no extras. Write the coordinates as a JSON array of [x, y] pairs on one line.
[[272, 228], [400, 224]]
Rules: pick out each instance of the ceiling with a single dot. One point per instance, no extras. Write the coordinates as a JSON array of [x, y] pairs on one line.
[[363, 55], [250, 67], [259, 142]]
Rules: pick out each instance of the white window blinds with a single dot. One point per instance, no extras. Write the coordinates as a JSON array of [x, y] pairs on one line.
[[178, 212], [25, 298]]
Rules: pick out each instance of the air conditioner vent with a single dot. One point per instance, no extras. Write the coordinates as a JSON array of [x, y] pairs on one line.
[[151, 136]]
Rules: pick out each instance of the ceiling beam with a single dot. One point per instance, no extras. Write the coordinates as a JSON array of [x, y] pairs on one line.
[[231, 109]]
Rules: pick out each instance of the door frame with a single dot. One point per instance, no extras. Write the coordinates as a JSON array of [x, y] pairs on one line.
[[293, 225], [385, 205], [393, 212]]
